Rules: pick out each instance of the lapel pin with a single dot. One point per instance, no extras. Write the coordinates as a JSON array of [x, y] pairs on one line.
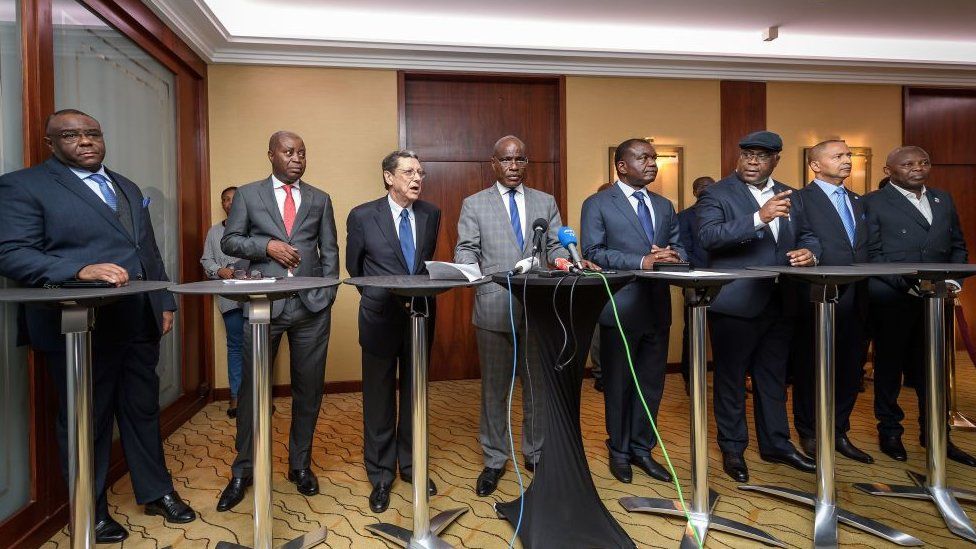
[[146, 201], [936, 199]]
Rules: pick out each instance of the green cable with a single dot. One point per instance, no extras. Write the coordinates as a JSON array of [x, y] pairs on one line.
[[633, 373]]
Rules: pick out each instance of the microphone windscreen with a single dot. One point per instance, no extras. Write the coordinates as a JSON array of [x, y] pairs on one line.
[[567, 236], [541, 224]]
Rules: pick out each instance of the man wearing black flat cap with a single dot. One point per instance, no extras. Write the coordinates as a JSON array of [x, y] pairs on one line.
[[745, 221]]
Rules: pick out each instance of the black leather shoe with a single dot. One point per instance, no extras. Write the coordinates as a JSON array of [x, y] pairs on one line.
[[171, 508], [232, 408], [233, 493], [529, 466], [109, 531], [957, 454], [847, 449], [305, 480], [621, 471], [651, 467], [809, 446], [792, 458], [379, 498], [488, 481], [431, 487], [598, 384], [735, 466], [893, 448]]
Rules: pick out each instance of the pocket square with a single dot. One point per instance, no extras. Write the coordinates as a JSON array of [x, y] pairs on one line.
[[146, 201]]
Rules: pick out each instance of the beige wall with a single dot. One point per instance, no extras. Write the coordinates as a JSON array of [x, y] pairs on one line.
[[805, 114], [348, 119]]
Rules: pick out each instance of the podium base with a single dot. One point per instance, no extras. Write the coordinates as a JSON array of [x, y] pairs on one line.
[[305, 541], [827, 517], [959, 422], [943, 498], [405, 538], [700, 522]]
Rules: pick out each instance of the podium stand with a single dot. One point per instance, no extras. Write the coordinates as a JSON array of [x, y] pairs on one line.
[[561, 506], [260, 295], [700, 289], [824, 282], [932, 283], [425, 529], [77, 314]]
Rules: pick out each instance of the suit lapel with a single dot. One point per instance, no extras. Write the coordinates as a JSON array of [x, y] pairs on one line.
[[135, 206], [302, 213], [420, 219], [826, 205], [383, 217], [70, 181], [860, 225], [939, 216], [271, 204], [902, 203], [622, 203], [496, 201], [657, 206]]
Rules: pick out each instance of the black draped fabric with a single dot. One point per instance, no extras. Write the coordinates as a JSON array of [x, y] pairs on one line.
[[562, 506]]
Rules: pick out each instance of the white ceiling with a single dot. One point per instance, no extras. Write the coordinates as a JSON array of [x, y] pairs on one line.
[[832, 40]]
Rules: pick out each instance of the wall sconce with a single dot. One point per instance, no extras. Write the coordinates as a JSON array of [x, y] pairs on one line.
[[669, 182], [860, 179]]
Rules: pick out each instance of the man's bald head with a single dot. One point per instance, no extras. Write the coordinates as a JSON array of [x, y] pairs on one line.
[[895, 156], [504, 141], [908, 167], [817, 151], [277, 136], [286, 151], [508, 161]]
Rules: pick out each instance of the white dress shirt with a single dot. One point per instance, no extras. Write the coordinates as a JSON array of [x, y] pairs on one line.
[[395, 209], [86, 178], [519, 203], [762, 196], [920, 202], [629, 193], [279, 192]]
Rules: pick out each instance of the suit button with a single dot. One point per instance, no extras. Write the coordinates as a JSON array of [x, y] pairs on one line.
[[139, 277], [138, 247], [904, 231]]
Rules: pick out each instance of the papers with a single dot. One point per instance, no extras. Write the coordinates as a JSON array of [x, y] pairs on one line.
[[441, 270], [689, 274], [248, 280]]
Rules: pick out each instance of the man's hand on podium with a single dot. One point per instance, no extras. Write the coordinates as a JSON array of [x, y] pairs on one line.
[[108, 272]]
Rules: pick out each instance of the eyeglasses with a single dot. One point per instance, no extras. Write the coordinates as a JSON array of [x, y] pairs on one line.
[[73, 136], [412, 172], [509, 160], [753, 155]]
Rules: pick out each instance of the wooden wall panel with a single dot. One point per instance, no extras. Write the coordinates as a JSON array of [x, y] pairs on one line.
[[943, 122], [743, 111]]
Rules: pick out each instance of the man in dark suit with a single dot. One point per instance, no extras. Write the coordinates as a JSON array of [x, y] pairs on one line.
[[285, 227], [697, 256], [627, 227], [745, 220], [393, 235], [908, 222], [836, 217], [71, 218]]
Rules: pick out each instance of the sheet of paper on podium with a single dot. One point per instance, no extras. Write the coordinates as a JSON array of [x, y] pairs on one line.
[[441, 270]]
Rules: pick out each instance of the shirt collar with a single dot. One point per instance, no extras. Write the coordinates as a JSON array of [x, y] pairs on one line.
[[504, 190], [85, 174], [396, 208], [629, 191], [276, 184], [910, 194], [828, 188]]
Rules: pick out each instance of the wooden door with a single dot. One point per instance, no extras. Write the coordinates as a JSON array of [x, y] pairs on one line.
[[452, 122]]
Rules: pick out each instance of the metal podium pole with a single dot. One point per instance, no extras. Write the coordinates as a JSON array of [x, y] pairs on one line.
[[703, 500], [76, 323], [425, 530]]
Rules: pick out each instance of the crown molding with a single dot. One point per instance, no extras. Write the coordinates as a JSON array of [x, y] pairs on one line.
[[195, 23]]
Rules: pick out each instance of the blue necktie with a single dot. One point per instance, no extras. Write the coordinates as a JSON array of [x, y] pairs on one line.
[[845, 213], [516, 221], [106, 189], [644, 215], [406, 240]]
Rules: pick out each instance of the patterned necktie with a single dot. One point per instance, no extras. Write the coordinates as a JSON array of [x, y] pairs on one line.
[[845, 213], [644, 215], [106, 189], [406, 240], [516, 220], [289, 216]]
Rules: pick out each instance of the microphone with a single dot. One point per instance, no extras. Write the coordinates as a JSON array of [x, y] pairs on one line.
[[564, 264], [567, 237], [539, 229], [524, 266]]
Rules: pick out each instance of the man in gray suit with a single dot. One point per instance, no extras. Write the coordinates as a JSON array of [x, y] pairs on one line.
[[494, 231], [285, 227]]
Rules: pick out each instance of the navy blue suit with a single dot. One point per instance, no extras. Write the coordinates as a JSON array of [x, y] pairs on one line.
[[899, 233], [613, 238], [54, 225], [851, 311], [751, 321], [688, 235], [373, 249]]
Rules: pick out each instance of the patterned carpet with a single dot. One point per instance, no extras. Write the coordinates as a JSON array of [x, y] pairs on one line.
[[200, 454]]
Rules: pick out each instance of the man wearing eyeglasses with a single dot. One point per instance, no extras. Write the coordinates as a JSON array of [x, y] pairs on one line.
[[71, 218], [391, 236], [745, 220], [495, 231]]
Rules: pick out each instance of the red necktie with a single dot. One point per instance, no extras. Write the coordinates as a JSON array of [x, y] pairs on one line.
[[289, 209]]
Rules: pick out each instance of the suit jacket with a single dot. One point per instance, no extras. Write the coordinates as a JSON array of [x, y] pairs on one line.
[[485, 237], [53, 225], [728, 234], [898, 233], [373, 249], [254, 220], [613, 238], [688, 234]]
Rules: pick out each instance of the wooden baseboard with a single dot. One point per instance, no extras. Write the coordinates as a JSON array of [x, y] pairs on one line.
[[331, 387]]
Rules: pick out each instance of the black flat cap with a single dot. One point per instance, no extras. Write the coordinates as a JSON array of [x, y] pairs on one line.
[[762, 140]]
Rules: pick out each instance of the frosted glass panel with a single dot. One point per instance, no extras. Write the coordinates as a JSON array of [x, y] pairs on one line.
[[103, 73]]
